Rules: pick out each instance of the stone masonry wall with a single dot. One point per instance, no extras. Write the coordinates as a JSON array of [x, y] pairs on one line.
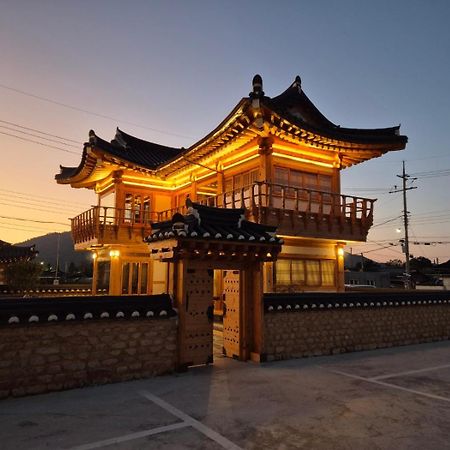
[[297, 334], [36, 358]]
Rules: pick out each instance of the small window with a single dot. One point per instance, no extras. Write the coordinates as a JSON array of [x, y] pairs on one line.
[[327, 269], [312, 272]]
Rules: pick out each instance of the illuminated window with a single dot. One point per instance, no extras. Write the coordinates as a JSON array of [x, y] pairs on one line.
[[298, 274], [312, 272], [327, 269], [294, 273]]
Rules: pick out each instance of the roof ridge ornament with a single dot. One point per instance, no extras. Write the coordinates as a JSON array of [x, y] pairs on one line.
[[119, 139], [298, 84], [257, 84], [92, 137]]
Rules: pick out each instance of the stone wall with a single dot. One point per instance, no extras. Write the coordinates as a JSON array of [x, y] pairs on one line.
[[326, 329], [43, 357]]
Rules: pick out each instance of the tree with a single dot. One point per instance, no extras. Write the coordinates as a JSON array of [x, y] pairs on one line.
[[420, 263], [395, 263], [22, 275]]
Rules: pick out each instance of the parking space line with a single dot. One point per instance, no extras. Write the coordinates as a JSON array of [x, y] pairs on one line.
[[211, 434], [410, 372], [390, 385], [131, 436]]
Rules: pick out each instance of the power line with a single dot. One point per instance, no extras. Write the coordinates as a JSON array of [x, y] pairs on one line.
[[40, 132], [40, 143], [386, 221], [37, 207], [41, 196], [22, 206], [22, 219], [10, 226], [39, 203], [39, 137], [76, 108]]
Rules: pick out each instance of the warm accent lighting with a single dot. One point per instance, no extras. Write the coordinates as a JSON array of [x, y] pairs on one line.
[[304, 160], [340, 252], [114, 253], [242, 161], [94, 255]]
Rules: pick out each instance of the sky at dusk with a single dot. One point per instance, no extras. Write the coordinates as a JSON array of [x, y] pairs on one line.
[[170, 71]]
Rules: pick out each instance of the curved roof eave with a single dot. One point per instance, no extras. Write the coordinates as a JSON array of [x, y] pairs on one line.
[[209, 137]]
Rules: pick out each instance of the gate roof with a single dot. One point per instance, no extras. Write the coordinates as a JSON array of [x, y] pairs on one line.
[[213, 233]]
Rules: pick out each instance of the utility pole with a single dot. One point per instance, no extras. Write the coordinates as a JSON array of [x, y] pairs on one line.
[[58, 239], [405, 177]]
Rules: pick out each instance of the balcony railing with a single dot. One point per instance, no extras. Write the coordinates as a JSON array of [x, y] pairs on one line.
[[295, 211], [102, 222]]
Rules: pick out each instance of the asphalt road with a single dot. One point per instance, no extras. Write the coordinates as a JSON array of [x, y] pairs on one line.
[[387, 399]]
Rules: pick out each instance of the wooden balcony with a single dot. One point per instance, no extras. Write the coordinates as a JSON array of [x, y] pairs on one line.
[[298, 211], [103, 225], [295, 211]]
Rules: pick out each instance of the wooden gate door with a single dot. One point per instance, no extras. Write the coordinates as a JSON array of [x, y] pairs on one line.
[[231, 315], [196, 317]]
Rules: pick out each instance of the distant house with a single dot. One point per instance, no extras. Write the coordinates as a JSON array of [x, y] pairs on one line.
[[10, 254], [375, 279]]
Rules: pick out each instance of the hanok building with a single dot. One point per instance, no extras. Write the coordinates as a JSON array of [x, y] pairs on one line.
[[11, 254], [279, 159]]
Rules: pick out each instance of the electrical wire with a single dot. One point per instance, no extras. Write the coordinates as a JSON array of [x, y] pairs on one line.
[[26, 133], [40, 143], [39, 203], [76, 108], [22, 219], [40, 132], [41, 196]]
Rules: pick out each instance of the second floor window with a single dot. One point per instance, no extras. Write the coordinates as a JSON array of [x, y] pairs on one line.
[[303, 180], [136, 208]]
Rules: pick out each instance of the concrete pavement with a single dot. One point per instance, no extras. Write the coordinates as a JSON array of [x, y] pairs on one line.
[[386, 399]]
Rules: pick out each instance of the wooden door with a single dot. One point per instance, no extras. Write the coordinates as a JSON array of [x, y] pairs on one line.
[[196, 317], [231, 315]]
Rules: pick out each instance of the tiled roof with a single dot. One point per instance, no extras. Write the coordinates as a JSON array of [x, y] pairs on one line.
[[295, 106], [13, 253], [134, 150], [210, 223]]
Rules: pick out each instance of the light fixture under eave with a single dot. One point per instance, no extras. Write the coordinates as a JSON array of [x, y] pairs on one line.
[[304, 160]]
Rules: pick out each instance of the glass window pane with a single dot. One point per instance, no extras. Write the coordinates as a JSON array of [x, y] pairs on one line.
[[103, 269], [283, 272], [310, 181], [281, 176], [134, 279], [125, 277], [325, 183], [144, 277], [312, 272], [328, 267], [127, 207], [137, 208], [296, 178], [298, 271], [146, 209]]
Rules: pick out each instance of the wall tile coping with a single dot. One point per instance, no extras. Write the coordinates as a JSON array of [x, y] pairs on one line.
[[298, 302], [31, 311]]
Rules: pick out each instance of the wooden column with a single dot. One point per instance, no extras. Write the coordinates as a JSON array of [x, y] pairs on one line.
[[340, 278], [94, 274], [265, 160], [115, 275]]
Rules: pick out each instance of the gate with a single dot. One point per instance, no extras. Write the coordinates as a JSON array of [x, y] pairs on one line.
[[231, 314], [196, 321]]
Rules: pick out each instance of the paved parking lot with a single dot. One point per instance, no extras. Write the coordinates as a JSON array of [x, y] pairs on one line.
[[386, 399]]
